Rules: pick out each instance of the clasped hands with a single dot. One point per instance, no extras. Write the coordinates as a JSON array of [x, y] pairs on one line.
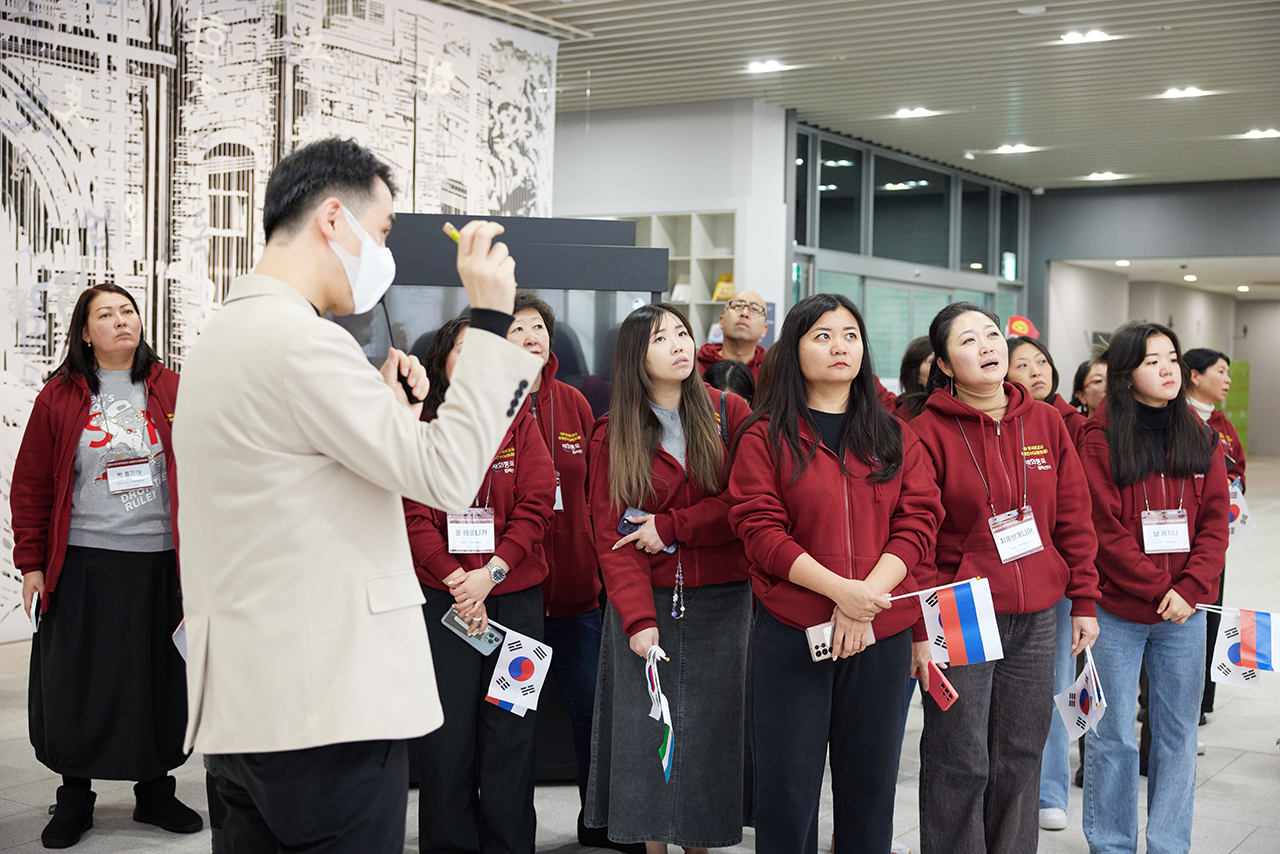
[[469, 589], [857, 603]]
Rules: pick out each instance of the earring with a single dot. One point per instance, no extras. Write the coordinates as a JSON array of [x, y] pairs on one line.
[[953, 386]]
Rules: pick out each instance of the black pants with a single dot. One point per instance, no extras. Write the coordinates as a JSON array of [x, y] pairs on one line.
[[799, 707], [476, 773], [337, 799], [1213, 620]]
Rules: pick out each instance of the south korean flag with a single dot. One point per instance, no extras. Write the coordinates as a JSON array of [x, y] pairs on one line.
[[1226, 667], [1082, 705], [520, 670]]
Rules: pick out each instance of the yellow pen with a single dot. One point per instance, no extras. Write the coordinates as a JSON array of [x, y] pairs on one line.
[[448, 229]]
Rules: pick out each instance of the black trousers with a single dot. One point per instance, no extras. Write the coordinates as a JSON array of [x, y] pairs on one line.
[[856, 706], [337, 799], [476, 773]]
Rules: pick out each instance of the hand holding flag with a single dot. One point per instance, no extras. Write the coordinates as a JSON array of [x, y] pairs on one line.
[[1083, 704], [961, 621]]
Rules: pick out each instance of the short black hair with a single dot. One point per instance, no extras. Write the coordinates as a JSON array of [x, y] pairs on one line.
[[330, 167], [1202, 359], [526, 299]]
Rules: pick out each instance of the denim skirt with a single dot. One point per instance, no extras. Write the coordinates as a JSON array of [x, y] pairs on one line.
[[705, 686]]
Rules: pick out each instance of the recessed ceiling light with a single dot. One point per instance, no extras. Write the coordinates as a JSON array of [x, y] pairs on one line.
[[1188, 278], [1244, 289], [1104, 176], [799, 161], [1269, 133], [1189, 92], [1091, 36], [767, 66], [975, 266], [1015, 149], [825, 187], [1031, 10], [837, 163], [1122, 263], [906, 185], [916, 113], [969, 154]]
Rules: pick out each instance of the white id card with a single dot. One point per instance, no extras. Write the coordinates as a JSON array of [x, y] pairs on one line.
[[1015, 534], [1165, 531], [129, 474], [559, 505], [471, 531]]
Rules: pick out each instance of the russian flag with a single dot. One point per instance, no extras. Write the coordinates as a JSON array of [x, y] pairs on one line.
[[962, 623], [1255, 641]]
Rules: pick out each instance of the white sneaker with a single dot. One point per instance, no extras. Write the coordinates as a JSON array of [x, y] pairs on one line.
[[1053, 819], [1199, 748], [899, 848]]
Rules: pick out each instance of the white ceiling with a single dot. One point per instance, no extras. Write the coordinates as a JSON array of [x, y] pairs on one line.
[[1000, 77], [1217, 275]]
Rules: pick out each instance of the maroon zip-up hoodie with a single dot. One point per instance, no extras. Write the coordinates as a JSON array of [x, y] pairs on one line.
[[709, 552], [573, 580], [837, 515], [1073, 417], [1132, 583], [1030, 446], [44, 472], [1229, 443], [519, 487]]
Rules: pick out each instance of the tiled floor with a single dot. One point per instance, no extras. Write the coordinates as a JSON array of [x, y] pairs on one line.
[[1237, 807]]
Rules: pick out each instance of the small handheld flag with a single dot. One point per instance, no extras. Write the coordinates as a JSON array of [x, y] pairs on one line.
[[1234, 656], [961, 620], [1083, 704], [1239, 520], [659, 710], [521, 668]]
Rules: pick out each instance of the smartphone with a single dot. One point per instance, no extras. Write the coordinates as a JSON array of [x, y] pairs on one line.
[[486, 642], [626, 528], [940, 689], [819, 638]]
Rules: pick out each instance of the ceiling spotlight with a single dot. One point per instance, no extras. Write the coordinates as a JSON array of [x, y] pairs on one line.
[[1031, 10], [969, 154], [1188, 278], [837, 163], [1122, 263], [799, 161], [1091, 36], [975, 266], [906, 185], [916, 113], [825, 187], [1269, 133], [1104, 176], [1189, 92], [767, 66], [1244, 289], [1020, 148]]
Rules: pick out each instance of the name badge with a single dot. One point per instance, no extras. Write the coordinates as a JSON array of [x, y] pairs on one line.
[[471, 531], [128, 474], [559, 505], [1015, 534], [1165, 531]]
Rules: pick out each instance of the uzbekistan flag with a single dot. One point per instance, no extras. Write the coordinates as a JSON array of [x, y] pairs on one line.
[[1254, 646], [659, 710], [961, 620]]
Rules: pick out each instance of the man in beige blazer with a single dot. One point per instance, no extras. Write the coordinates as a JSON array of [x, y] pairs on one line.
[[308, 663]]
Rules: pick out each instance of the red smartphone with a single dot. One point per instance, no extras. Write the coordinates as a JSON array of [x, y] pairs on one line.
[[940, 689]]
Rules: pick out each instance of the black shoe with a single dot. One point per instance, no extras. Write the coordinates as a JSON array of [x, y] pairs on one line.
[[598, 837], [1142, 714], [1204, 719], [72, 816], [157, 805], [1142, 769], [1079, 778]]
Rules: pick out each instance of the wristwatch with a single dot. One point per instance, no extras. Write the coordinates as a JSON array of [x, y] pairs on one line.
[[496, 573]]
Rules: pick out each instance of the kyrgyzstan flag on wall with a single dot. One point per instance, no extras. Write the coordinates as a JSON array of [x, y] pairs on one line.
[[1019, 325], [961, 620]]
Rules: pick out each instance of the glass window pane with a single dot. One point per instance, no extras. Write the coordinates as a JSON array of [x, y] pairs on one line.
[[888, 316], [912, 214], [802, 189], [1010, 264], [1007, 304], [981, 298], [975, 226], [840, 198], [845, 284], [927, 305]]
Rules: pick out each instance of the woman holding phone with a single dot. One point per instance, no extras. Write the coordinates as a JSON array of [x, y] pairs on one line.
[[1003, 460], [1159, 489], [476, 773], [835, 501], [678, 580]]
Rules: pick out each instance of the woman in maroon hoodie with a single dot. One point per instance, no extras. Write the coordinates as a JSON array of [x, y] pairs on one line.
[[1031, 365], [476, 773], [836, 504], [679, 581], [996, 452], [1159, 487]]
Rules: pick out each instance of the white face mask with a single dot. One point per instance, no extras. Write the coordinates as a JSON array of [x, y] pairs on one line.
[[371, 272]]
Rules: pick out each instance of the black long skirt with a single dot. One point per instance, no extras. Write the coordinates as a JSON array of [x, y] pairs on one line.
[[108, 691]]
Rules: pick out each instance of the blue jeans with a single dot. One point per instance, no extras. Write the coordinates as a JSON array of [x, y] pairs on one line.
[[576, 641], [1175, 671], [1055, 764]]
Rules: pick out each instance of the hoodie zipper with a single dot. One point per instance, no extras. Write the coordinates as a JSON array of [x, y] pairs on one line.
[[1013, 491]]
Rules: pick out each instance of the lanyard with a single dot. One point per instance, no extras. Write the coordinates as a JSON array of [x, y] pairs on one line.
[[1023, 435], [1181, 491], [549, 407], [489, 490]]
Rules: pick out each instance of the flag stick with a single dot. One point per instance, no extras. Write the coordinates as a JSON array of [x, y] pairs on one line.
[[1217, 609], [932, 589]]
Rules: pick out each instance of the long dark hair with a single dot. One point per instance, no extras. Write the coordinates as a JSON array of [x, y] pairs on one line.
[[868, 431], [634, 431], [914, 394], [731, 375], [1135, 454], [940, 331], [434, 361], [80, 361], [1017, 341]]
